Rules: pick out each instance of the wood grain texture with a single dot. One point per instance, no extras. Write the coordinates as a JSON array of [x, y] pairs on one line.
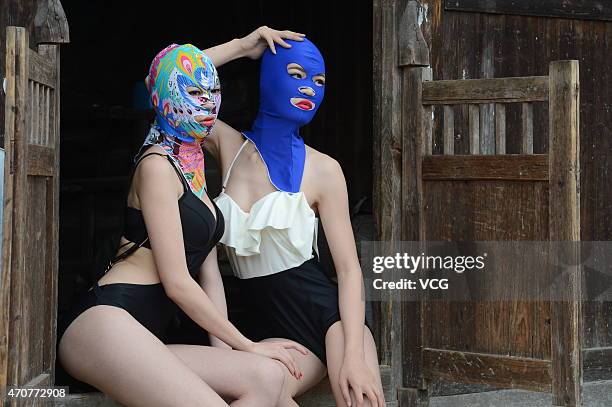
[[34, 254], [482, 211], [564, 163], [7, 205], [492, 90], [17, 362], [527, 133], [500, 128], [474, 129], [575, 9], [524, 46], [388, 138], [416, 143], [481, 167], [413, 50], [449, 130], [41, 70], [497, 371]]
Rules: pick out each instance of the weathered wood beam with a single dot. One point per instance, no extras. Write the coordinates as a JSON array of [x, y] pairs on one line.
[[50, 23], [579, 9], [564, 225], [491, 370], [495, 90], [413, 50], [511, 167]]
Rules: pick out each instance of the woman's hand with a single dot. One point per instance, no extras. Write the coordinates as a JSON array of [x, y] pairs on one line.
[[254, 44], [355, 376], [279, 351]]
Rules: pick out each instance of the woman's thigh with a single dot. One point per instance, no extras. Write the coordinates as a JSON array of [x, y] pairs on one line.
[[107, 348], [312, 368], [231, 373]]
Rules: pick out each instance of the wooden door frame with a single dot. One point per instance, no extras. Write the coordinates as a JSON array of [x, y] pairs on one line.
[[397, 43], [50, 29]]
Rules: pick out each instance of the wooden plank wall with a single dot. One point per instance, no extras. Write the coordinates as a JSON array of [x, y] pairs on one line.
[[472, 45]]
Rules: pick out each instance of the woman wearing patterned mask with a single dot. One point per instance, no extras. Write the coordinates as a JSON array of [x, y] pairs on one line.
[[275, 190], [113, 338]]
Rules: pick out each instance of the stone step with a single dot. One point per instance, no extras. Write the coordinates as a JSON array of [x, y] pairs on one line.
[[318, 396]]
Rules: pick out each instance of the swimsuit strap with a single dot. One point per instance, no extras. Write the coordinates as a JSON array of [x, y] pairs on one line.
[[178, 171], [135, 246], [229, 170]]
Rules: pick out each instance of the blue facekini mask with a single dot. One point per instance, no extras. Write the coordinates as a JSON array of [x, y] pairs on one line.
[[287, 102]]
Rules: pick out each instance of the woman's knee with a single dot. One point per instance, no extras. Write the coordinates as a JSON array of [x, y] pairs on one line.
[[268, 379]]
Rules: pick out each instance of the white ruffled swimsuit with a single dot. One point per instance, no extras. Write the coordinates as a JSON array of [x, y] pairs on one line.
[[284, 290], [279, 232]]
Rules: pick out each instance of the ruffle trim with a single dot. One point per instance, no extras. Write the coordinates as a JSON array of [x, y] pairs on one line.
[[284, 212]]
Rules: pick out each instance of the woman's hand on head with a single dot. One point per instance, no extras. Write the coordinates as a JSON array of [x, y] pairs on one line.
[[280, 351], [254, 44]]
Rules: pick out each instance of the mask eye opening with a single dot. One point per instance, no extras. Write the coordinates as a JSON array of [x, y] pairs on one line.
[[194, 91], [319, 79], [296, 71]]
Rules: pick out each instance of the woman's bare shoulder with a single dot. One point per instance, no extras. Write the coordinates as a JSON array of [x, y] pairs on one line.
[[155, 170], [321, 164], [322, 174]]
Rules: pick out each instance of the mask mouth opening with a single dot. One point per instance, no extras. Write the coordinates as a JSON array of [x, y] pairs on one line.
[[302, 104], [205, 120]]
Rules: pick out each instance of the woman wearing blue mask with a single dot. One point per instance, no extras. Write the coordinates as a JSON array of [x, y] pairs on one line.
[[114, 337], [275, 190]]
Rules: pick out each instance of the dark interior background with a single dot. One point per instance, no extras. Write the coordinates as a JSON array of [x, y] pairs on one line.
[[104, 114]]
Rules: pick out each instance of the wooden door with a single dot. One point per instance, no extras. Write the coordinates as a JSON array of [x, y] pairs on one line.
[[489, 195], [28, 284]]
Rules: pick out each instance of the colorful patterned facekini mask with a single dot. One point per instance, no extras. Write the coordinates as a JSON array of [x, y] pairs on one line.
[[186, 96], [286, 104]]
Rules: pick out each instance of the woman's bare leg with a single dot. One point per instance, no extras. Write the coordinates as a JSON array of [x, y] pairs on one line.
[[107, 348], [250, 379], [334, 345], [313, 370]]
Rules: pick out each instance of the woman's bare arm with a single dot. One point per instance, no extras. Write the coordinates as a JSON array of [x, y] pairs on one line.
[[251, 46], [157, 193], [212, 284], [158, 199], [333, 207]]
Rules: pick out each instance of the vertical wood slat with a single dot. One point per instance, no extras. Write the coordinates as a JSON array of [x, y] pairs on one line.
[[41, 115], [474, 130], [527, 133], [7, 224], [449, 130], [500, 128], [35, 114], [487, 129], [29, 107], [388, 146], [51, 53], [416, 133], [16, 328], [47, 114], [564, 225]]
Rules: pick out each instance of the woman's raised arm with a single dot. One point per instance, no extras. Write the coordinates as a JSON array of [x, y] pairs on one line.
[[252, 46]]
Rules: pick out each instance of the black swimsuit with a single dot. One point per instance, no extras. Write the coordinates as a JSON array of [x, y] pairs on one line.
[[148, 303]]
